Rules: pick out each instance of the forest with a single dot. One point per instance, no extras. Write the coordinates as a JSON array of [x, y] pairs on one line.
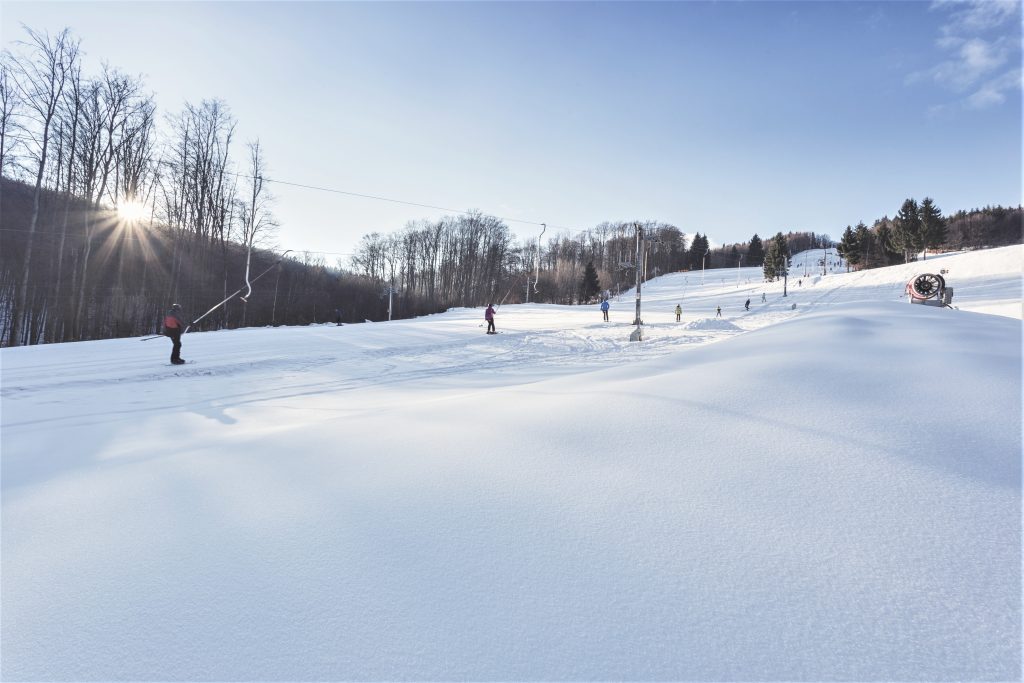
[[110, 212]]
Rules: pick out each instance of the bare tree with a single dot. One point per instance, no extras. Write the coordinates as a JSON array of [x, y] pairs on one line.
[[196, 196], [258, 223], [41, 78], [111, 103], [10, 109]]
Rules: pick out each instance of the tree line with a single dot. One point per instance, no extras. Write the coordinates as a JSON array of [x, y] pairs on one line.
[[109, 213], [918, 228]]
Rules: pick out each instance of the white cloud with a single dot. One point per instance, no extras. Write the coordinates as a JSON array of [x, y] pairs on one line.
[[975, 59], [978, 59], [976, 16], [994, 91]]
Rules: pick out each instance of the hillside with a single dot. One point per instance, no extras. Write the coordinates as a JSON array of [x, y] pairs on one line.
[[825, 491]]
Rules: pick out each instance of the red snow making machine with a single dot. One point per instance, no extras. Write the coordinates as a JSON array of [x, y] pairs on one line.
[[929, 289]]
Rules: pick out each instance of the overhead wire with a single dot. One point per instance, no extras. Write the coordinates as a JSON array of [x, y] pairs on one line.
[[362, 195], [381, 199], [392, 200]]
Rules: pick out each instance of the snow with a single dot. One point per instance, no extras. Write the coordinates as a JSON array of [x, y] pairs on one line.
[[826, 492]]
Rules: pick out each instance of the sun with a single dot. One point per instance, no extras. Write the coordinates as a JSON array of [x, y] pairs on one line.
[[131, 210]]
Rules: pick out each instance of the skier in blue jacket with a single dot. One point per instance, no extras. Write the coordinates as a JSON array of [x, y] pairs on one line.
[[604, 309]]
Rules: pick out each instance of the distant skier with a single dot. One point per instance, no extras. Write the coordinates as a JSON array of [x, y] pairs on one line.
[[174, 326], [799, 283], [718, 312], [604, 309], [489, 317], [337, 317], [679, 312], [763, 298], [747, 305]]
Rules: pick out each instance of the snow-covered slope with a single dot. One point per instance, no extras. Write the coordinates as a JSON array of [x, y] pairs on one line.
[[832, 491]]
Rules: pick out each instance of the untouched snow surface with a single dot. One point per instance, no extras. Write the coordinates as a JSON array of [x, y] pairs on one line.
[[826, 492]]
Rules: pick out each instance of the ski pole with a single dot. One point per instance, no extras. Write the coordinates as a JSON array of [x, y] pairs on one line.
[[155, 336], [239, 291]]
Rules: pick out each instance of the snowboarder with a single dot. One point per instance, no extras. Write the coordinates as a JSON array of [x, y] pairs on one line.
[[174, 326], [763, 298], [746, 306], [679, 312], [604, 309], [718, 312], [489, 317]]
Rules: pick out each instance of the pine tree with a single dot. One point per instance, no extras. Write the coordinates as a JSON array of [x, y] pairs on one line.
[[698, 248], [906, 233], [865, 243], [755, 252], [590, 286], [782, 253], [848, 248], [932, 224], [889, 253], [769, 262], [775, 261]]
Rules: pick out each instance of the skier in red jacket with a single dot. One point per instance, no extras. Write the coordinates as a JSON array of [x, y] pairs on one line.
[[174, 327]]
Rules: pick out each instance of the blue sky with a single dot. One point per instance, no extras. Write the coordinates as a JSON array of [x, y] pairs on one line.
[[726, 118]]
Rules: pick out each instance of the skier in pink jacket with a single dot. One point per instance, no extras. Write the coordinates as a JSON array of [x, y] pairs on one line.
[[489, 317]]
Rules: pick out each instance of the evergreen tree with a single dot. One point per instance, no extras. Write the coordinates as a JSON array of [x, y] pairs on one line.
[[698, 248], [782, 253], [906, 233], [590, 286], [848, 248], [932, 225], [888, 252], [776, 261], [770, 260], [865, 243], [755, 252]]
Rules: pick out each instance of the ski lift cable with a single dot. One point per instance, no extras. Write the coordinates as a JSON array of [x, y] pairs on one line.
[[238, 291], [383, 199]]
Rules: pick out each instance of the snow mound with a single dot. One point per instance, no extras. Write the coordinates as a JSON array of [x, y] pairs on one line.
[[718, 324]]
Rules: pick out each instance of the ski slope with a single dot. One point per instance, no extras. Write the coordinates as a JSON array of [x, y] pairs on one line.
[[825, 491]]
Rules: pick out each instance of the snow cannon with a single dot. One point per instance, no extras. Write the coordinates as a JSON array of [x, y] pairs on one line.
[[929, 289]]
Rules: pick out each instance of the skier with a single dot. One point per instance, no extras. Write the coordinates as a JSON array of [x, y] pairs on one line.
[[747, 305], [679, 312], [489, 317], [604, 309], [174, 326], [763, 298], [718, 312], [337, 317], [799, 283]]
